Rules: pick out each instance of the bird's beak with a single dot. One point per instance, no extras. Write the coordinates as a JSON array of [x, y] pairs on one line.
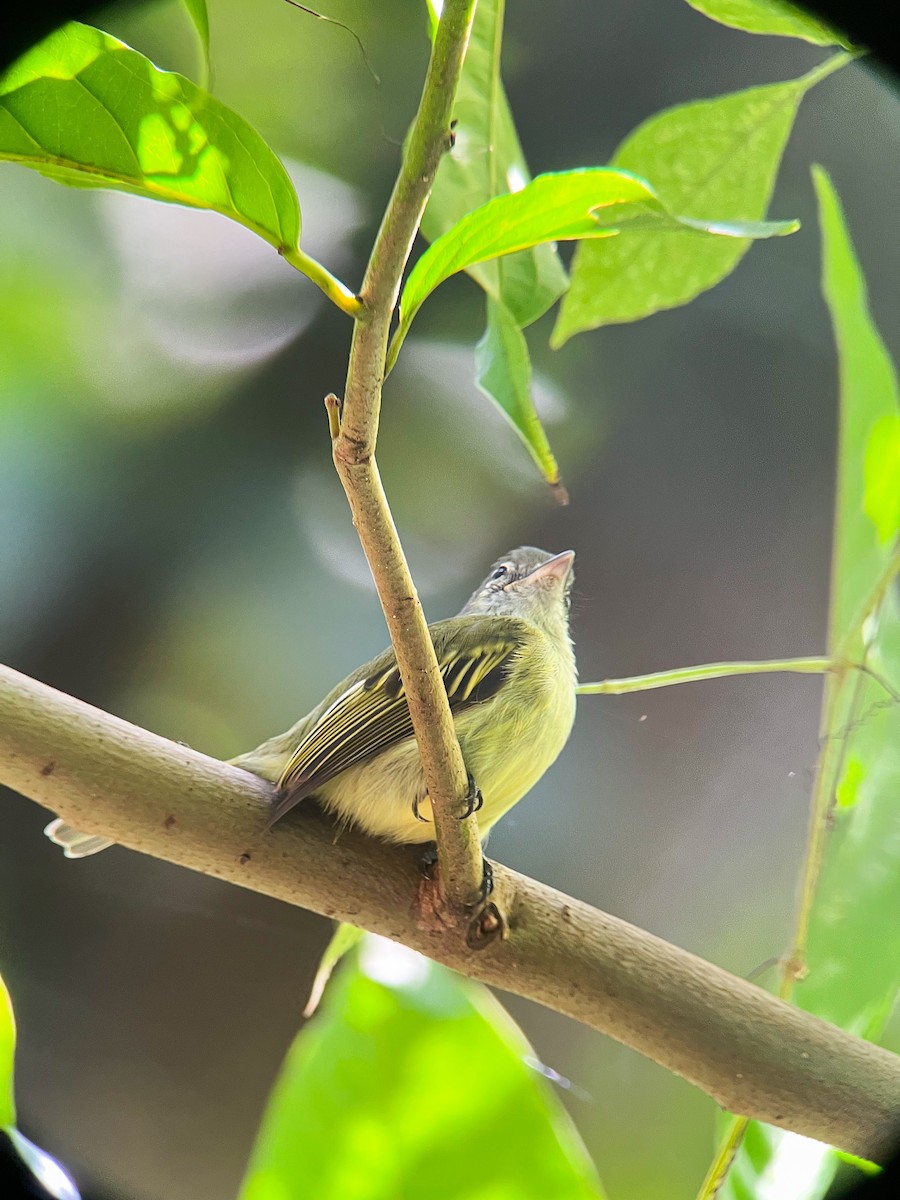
[[556, 568]]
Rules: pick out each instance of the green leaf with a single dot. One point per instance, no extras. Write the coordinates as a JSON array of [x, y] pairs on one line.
[[504, 375], [769, 16], [84, 109], [342, 941], [7, 1058], [52, 1179], [881, 498], [792, 1166], [854, 942], [599, 202], [411, 1081], [199, 15], [46, 1170], [867, 520], [486, 161], [852, 946], [711, 157]]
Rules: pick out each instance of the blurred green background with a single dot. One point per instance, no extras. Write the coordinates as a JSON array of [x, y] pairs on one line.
[[174, 547]]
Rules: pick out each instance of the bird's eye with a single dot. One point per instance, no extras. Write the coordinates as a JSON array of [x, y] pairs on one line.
[[500, 572]]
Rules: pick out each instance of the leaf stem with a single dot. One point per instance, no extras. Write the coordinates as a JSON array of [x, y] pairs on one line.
[[828, 771], [829, 66], [725, 1155], [873, 601], [722, 670], [338, 293]]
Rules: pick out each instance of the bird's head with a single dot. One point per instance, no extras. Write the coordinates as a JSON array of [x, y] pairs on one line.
[[528, 583]]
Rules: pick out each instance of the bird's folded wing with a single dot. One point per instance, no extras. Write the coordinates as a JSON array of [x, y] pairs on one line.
[[373, 715]]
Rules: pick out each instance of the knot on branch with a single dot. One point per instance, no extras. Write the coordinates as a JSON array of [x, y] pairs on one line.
[[350, 452]]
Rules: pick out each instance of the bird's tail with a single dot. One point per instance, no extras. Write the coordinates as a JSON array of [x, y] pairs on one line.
[[75, 844]]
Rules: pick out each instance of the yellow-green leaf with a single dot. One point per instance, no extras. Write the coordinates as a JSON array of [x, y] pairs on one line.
[[342, 941], [486, 161], [882, 477], [770, 16], [199, 15], [7, 1058], [852, 898], [504, 375], [412, 1081], [598, 202], [711, 158]]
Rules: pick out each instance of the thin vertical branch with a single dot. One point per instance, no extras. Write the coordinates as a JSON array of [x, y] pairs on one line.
[[458, 843]]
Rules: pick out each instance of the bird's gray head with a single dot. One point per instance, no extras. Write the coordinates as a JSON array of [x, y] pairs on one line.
[[528, 583]]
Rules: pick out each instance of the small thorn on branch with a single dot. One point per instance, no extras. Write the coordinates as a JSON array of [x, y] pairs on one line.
[[333, 408]]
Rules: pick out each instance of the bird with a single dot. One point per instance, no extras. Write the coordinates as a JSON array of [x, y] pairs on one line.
[[508, 666]]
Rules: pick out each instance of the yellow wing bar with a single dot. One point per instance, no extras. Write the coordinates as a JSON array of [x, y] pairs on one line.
[[373, 715]]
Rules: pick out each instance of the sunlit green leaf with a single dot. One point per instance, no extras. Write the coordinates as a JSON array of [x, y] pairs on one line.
[[712, 158], [410, 1082], [486, 161], [504, 375], [599, 202], [84, 109], [852, 946], [882, 476], [769, 16], [7, 1058]]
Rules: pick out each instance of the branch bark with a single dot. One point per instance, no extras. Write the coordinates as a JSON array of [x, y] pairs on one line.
[[753, 1053], [459, 847]]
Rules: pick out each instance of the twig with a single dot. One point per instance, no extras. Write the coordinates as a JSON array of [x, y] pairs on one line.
[[720, 670], [753, 1053], [458, 844]]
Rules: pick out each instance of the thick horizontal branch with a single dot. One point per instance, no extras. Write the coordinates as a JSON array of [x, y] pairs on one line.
[[754, 1054]]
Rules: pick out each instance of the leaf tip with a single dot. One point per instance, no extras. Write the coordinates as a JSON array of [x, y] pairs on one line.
[[559, 492], [560, 334]]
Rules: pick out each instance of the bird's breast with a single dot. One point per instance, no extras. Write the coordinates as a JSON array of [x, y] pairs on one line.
[[507, 742]]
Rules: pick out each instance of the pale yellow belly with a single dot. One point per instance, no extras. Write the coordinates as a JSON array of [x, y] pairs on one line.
[[506, 746]]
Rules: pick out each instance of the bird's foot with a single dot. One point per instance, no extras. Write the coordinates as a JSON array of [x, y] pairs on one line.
[[473, 798], [485, 922]]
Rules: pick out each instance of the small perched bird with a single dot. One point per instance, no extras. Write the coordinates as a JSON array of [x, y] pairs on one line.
[[509, 670]]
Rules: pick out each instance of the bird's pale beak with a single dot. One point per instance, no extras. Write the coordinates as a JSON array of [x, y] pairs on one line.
[[556, 568]]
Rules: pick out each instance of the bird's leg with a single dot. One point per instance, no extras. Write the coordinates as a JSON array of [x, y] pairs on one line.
[[473, 797], [429, 862], [487, 880]]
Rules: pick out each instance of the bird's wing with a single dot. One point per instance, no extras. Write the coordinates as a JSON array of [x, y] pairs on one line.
[[372, 714]]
